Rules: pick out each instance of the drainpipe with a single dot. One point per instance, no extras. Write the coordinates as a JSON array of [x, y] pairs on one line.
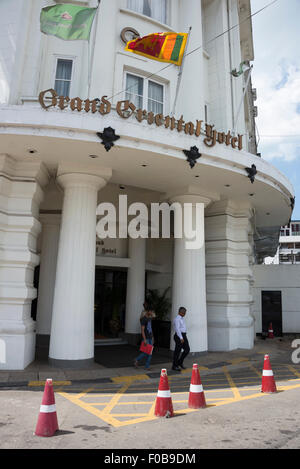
[[230, 64]]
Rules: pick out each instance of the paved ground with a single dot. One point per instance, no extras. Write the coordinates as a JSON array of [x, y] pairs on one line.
[[114, 407]]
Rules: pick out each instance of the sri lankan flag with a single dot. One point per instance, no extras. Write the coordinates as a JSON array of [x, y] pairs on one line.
[[164, 47]]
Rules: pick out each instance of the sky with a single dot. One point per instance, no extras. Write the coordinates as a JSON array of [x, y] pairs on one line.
[[276, 76]]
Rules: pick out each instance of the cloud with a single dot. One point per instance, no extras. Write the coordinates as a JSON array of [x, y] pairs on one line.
[[278, 111]]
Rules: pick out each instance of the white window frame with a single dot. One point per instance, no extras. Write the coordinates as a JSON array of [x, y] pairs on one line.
[[64, 57], [167, 18], [146, 88]]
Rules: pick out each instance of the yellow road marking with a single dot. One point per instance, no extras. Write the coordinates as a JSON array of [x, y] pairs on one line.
[[107, 414], [189, 370], [152, 410], [89, 408], [286, 388], [236, 361], [54, 383], [255, 370], [292, 369], [131, 379], [129, 415], [231, 383], [115, 399], [83, 393]]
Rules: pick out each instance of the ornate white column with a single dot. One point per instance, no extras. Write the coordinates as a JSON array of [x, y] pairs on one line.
[[135, 295], [72, 329], [49, 249], [189, 288], [229, 276], [21, 193]]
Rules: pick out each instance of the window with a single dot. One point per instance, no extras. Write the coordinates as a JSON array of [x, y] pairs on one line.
[[135, 87], [155, 97], [156, 9], [63, 76], [283, 258], [144, 93]]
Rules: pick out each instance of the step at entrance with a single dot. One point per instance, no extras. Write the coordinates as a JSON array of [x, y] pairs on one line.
[[103, 342]]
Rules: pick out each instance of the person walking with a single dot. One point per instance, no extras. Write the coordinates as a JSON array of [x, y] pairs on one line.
[[182, 348], [147, 335]]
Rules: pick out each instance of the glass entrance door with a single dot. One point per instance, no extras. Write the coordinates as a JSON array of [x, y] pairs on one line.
[[110, 301]]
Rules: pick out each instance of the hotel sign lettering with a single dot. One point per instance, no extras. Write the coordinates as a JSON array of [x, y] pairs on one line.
[[125, 109]]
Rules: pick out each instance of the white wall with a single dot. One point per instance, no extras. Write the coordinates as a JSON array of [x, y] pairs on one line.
[[284, 278], [28, 57], [224, 92], [13, 34]]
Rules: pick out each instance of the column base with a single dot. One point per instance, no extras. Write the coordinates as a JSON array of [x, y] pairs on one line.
[[17, 351], [72, 364], [225, 339]]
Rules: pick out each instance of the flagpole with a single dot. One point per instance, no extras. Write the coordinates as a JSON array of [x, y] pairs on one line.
[[243, 97], [91, 58], [180, 73]]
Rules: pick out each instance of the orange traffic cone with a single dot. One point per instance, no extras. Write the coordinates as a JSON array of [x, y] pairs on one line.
[[163, 405], [270, 332], [268, 381], [47, 422], [196, 395]]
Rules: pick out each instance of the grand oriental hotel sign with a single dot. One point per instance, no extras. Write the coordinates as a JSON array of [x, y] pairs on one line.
[[125, 109]]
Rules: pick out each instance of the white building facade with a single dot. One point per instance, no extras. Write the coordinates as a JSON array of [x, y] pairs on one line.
[[288, 251], [55, 172], [276, 298], [276, 284]]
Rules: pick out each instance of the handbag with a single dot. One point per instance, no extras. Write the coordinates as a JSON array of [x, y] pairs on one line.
[[148, 349]]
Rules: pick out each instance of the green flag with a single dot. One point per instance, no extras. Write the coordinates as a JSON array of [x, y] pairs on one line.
[[68, 22]]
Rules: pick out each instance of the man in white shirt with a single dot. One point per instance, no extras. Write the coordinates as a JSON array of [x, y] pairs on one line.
[[181, 341]]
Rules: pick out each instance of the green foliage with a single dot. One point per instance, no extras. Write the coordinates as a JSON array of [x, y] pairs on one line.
[[160, 304]]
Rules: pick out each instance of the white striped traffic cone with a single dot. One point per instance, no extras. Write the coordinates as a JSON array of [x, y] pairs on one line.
[[196, 395], [270, 332], [268, 382], [47, 422], [163, 405]]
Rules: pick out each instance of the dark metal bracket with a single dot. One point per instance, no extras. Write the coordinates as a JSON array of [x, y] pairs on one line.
[[251, 173], [192, 155], [108, 137]]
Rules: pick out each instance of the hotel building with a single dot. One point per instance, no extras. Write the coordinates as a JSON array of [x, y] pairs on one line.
[[60, 284]]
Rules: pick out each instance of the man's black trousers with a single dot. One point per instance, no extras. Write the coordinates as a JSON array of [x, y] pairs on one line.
[[178, 357]]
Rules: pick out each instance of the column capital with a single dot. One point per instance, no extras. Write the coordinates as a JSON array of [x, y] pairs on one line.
[[81, 180], [192, 194], [81, 175], [190, 199], [27, 170], [231, 207]]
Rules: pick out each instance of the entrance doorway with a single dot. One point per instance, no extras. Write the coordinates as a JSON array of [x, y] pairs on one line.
[[271, 311], [110, 301]]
